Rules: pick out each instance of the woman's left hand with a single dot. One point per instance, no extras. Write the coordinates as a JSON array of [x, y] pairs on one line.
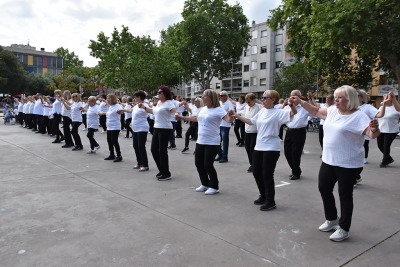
[[373, 125]]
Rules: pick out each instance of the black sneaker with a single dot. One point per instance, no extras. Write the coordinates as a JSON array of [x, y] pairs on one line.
[[259, 201], [172, 147], [241, 145], [66, 146], [118, 159], [158, 175], [250, 169], [390, 161], [218, 158], [111, 157], [268, 206], [383, 164], [185, 149], [164, 177]]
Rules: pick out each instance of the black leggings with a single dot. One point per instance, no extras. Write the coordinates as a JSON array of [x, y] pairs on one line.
[[191, 131], [366, 148], [56, 126], [239, 125], [384, 141], [128, 127], [67, 131], [92, 141], [103, 123], [264, 163], [84, 116], [204, 161], [249, 144], [159, 145], [112, 140], [321, 136], [75, 134], [346, 178]]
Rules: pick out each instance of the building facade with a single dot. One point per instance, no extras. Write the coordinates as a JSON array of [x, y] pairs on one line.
[[41, 62]]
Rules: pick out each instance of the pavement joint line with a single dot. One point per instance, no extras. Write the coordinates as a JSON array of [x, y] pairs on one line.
[[371, 248], [157, 211]]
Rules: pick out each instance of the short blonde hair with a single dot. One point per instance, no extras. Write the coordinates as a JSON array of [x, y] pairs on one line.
[[92, 98], [113, 99], [57, 92], [68, 94], [213, 97], [198, 99], [78, 97], [250, 96], [273, 94], [350, 94]]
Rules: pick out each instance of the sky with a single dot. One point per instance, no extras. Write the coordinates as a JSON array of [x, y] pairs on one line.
[[72, 24]]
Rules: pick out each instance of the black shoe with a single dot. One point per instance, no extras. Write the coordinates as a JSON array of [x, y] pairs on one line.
[[118, 159], [185, 149], [158, 175], [238, 143], [241, 145], [111, 157], [218, 158], [250, 169], [193, 139], [268, 206], [390, 161], [223, 160], [164, 177], [291, 175], [259, 201], [56, 141], [66, 146], [77, 148], [37, 132], [383, 164], [178, 136], [62, 139], [294, 177]]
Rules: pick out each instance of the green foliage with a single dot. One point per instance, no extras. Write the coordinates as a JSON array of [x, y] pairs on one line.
[[71, 61], [13, 76], [211, 36], [38, 83], [328, 33]]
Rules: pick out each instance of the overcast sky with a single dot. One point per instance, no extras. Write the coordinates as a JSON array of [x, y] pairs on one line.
[[72, 24]]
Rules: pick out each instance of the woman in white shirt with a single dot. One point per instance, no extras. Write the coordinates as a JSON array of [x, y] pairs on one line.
[[113, 120], [192, 130], [85, 106], [267, 149], [208, 140], [66, 116], [128, 116], [92, 122], [239, 128], [389, 127], [103, 109], [56, 111], [162, 131], [76, 116], [249, 111], [343, 155], [21, 112]]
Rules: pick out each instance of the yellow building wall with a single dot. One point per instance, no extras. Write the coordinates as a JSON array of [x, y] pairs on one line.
[[30, 60], [44, 70]]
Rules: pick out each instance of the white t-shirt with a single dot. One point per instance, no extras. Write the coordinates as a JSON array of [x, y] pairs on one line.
[[268, 122], [139, 119], [195, 110], [162, 114], [127, 114], [209, 121], [370, 111], [26, 108], [56, 107], [38, 108], [76, 114], [113, 118], [65, 112], [92, 117], [226, 106], [31, 107], [249, 112], [85, 106], [45, 111], [390, 122], [180, 109], [20, 107], [300, 120], [343, 138], [176, 103], [103, 106], [240, 107]]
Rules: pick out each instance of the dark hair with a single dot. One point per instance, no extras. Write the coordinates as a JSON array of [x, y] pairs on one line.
[[140, 94], [166, 91], [104, 96]]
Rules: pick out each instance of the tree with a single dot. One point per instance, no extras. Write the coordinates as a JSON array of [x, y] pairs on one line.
[[71, 61], [38, 83], [13, 75], [65, 81], [346, 39], [211, 36]]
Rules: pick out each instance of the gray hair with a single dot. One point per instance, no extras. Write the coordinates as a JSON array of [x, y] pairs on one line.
[[350, 94], [364, 95], [296, 92]]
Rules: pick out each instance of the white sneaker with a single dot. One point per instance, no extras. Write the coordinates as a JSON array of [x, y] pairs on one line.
[[329, 225], [211, 191], [90, 152], [84, 129], [102, 132], [96, 148], [339, 235], [201, 188], [365, 160]]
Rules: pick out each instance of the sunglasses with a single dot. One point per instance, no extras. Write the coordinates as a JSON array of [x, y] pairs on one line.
[[159, 92], [265, 97]]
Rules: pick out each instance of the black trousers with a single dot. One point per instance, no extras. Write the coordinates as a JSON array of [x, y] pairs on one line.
[[75, 133], [67, 132], [366, 148], [178, 128], [191, 131], [346, 178], [239, 130], [56, 126], [32, 123], [38, 122], [20, 118], [151, 125], [249, 144], [26, 122], [45, 125], [321, 135], [123, 126], [281, 131], [139, 145], [159, 144], [90, 136], [293, 146], [264, 163], [84, 118], [50, 127], [384, 141], [128, 127], [112, 140], [204, 160], [103, 123]]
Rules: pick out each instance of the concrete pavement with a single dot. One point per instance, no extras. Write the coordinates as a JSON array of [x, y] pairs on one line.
[[66, 208]]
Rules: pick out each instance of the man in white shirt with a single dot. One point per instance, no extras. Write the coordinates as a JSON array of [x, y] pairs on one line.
[[224, 128], [295, 138], [180, 109], [173, 121]]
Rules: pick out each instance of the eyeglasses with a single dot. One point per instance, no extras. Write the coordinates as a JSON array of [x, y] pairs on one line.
[[159, 92], [265, 97], [222, 95]]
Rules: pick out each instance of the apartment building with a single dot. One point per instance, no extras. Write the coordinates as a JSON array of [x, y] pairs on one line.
[[37, 61]]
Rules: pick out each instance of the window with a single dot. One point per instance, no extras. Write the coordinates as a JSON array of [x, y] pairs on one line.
[[246, 83], [254, 49], [59, 63], [253, 65], [217, 85], [254, 34], [263, 81], [263, 65], [278, 48], [246, 53], [39, 61], [263, 49], [264, 33], [35, 60], [253, 81], [246, 68], [278, 64]]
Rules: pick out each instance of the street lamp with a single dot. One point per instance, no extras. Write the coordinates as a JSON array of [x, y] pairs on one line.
[[80, 76]]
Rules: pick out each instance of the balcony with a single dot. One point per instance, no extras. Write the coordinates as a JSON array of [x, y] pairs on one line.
[[385, 89], [235, 75]]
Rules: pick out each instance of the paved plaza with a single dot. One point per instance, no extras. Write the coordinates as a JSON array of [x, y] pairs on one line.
[[66, 208]]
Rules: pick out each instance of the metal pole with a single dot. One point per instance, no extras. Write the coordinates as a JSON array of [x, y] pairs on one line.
[[231, 78], [317, 87]]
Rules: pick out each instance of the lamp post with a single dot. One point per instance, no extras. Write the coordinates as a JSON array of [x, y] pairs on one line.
[[80, 75], [231, 77]]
